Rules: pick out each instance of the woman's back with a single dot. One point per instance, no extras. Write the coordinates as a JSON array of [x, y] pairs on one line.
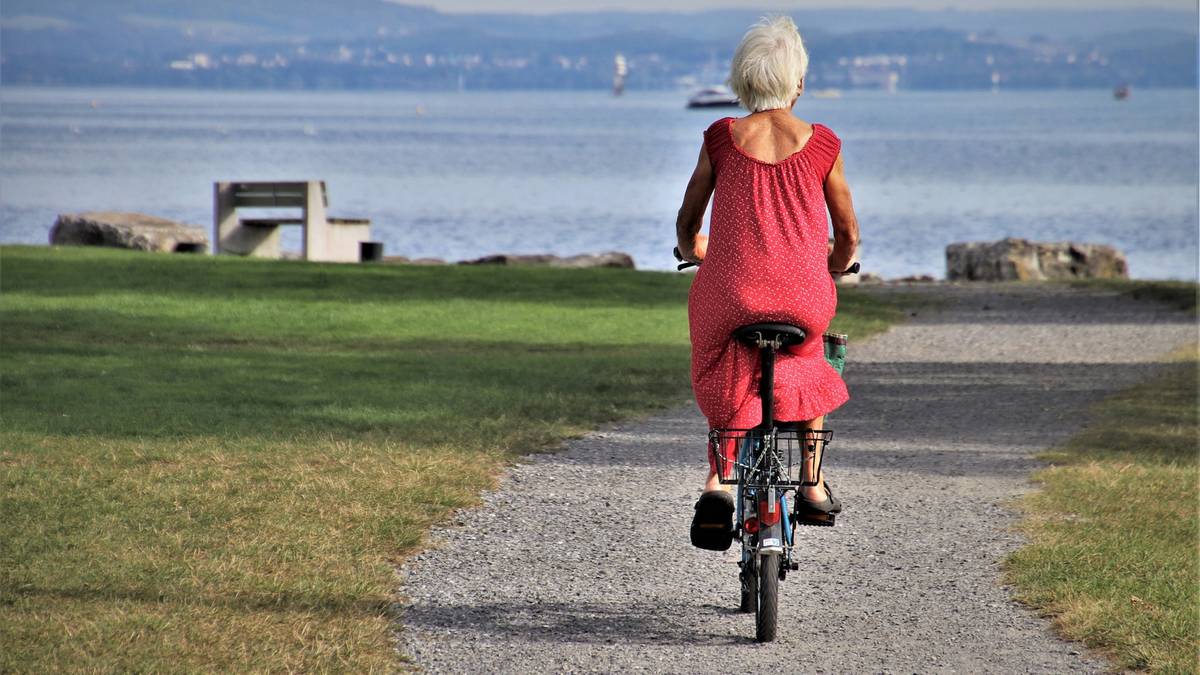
[[768, 206], [771, 138]]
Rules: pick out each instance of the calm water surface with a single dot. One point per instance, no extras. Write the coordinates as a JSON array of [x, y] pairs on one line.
[[459, 175]]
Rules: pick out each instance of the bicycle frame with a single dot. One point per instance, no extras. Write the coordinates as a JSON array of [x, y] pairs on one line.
[[773, 532]]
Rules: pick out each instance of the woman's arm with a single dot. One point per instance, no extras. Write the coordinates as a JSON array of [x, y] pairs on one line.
[[841, 211], [692, 244]]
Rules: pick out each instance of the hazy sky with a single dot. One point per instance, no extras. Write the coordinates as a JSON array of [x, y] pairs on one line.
[[540, 6]]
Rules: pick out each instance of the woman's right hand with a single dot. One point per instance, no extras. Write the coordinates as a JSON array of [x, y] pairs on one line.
[[841, 212], [696, 252]]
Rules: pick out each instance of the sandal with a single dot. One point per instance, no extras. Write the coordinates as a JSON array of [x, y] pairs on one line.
[[822, 513], [712, 526], [837, 503]]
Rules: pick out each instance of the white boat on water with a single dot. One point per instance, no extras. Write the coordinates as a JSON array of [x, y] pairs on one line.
[[620, 70], [713, 97]]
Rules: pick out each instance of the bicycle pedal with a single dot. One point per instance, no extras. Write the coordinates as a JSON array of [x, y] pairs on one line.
[[817, 521]]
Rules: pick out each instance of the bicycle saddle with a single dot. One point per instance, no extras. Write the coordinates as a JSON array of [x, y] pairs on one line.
[[787, 334]]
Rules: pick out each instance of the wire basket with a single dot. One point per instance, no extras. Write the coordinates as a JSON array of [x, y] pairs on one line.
[[739, 454]]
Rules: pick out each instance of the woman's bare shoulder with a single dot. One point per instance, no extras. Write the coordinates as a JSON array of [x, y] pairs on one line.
[[804, 126], [718, 124]]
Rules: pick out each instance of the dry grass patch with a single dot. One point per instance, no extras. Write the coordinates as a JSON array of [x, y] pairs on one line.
[[200, 556], [1114, 530]]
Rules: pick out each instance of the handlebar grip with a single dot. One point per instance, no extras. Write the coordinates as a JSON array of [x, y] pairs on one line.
[[679, 256]]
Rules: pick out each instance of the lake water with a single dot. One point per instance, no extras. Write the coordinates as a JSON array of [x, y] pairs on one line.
[[460, 175]]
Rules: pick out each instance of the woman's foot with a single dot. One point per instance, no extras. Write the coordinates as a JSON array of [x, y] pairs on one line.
[[816, 505], [712, 526], [816, 494]]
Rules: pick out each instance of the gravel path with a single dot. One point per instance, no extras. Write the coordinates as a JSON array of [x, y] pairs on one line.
[[580, 562]]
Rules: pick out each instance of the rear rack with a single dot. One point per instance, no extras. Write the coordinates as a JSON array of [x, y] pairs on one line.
[[738, 453]]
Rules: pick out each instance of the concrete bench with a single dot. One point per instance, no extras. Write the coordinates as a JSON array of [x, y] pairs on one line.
[[324, 238]]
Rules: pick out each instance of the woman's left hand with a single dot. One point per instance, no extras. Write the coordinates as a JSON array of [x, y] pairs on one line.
[[692, 244]]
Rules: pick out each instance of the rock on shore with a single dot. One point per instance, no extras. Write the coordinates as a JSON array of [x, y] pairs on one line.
[[120, 229], [606, 259], [405, 260], [1023, 260]]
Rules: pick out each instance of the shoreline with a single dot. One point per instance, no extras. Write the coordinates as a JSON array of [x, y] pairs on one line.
[[868, 278]]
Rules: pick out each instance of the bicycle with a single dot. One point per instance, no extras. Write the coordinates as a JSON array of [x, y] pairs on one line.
[[762, 465]]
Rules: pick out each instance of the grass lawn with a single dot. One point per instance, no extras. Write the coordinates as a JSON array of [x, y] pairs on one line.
[[1114, 529], [1178, 294], [214, 463]]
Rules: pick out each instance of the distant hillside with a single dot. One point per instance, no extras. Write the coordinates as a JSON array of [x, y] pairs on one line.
[[378, 44]]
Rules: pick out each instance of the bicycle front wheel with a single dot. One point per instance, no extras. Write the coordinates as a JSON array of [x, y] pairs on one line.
[[766, 616]]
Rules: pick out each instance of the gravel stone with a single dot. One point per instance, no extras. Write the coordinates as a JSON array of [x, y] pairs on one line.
[[580, 561]]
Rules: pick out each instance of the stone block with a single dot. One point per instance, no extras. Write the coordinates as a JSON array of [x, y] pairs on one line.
[[119, 229], [1023, 260], [607, 259]]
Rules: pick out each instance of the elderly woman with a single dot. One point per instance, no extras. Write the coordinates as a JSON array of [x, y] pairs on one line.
[[771, 177]]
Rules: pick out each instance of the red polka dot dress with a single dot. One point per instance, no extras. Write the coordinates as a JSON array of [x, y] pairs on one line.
[[766, 261]]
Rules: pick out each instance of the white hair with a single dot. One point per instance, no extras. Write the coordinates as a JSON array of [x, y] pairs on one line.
[[769, 65]]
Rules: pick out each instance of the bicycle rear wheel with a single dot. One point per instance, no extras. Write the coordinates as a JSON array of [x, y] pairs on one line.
[[766, 618]]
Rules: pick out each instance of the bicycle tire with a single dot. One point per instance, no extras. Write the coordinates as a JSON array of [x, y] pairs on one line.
[[749, 579], [766, 619]]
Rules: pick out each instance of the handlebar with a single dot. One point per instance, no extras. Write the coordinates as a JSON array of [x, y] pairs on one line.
[[683, 265]]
